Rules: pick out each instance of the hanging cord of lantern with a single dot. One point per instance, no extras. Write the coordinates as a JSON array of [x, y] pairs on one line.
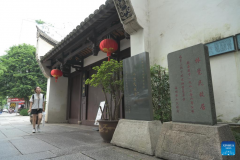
[[108, 46]]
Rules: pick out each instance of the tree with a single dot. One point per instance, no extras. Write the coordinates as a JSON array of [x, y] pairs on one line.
[[109, 78], [160, 94], [3, 101], [39, 21], [22, 73], [2, 68]]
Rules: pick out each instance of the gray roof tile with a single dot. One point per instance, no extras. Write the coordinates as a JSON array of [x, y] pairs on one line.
[[73, 34]]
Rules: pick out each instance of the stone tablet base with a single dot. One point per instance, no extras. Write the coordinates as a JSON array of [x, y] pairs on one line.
[[137, 135], [193, 141]]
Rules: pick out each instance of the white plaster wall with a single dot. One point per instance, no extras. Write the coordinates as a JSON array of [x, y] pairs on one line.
[[92, 59], [124, 44], [47, 98], [140, 39], [226, 84], [173, 25], [43, 47], [57, 100]]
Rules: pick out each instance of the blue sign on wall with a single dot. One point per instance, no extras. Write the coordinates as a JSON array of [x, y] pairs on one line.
[[238, 41], [228, 148], [221, 46]]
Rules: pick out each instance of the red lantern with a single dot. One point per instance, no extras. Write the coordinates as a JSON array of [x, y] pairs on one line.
[[108, 46], [56, 73]]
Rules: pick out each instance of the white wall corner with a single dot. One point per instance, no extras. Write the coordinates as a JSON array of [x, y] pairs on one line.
[[57, 100], [47, 98]]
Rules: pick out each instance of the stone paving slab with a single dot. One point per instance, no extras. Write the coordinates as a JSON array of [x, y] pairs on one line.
[[60, 141], [55, 129], [73, 157], [73, 150], [7, 149], [8, 139], [31, 145], [5, 123], [13, 133], [2, 127], [89, 138], [34, 156], [117, 153], [2, 135]]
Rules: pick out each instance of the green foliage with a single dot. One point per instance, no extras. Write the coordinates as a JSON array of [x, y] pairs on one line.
[[237, 137], [236, 133], [109, 78], [3, 101], [39, 21], [2, 67], [22, 73], [218, 118], [2, 70], [160, 93], [24, 112], [236, 119]]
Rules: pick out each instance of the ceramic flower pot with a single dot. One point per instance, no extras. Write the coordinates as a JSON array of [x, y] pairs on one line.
[[107, 128]]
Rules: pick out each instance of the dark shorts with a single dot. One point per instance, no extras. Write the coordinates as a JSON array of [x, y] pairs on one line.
[[36, 111]]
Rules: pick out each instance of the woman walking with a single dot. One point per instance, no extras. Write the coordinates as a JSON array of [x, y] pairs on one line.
[[36, 108]]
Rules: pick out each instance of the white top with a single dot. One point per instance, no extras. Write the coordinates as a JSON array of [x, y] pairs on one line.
[[38, 101]]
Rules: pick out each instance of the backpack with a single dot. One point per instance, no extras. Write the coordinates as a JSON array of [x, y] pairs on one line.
[[33, 97]]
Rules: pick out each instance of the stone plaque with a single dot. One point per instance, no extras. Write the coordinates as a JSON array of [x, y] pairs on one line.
[[137, 87], [192, 99], [221, 46]]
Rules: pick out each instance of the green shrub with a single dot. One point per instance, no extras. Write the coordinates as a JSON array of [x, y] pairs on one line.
[[237, 137], [160, 94], [24, 112]]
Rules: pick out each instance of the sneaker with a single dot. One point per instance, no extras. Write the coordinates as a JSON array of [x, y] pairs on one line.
[[34, 130], [38, 129]]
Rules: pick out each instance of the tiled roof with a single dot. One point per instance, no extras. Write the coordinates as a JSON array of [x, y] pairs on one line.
[[77, 31], [46, 37]]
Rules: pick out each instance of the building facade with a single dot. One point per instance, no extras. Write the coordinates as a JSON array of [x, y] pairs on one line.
[[158, 27]]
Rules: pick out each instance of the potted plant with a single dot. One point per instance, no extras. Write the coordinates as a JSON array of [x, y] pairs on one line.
[[109, 78]]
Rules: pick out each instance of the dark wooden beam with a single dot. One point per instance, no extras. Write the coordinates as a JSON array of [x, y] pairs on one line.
[[90, 39], [74, 63], [59, 60], [89, 25], [78, 42], [49, 67], [108, 21], [56, 65], [76, 52], [98, 39], [108, 31]]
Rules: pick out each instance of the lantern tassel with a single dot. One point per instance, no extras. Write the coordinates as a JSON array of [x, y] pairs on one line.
[[56, 79], [108, 54]]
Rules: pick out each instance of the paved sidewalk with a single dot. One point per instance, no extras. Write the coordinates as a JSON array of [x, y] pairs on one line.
[[57, 142]]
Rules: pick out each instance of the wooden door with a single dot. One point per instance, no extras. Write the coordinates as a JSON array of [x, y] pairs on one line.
[[95, 96], [75, 99]]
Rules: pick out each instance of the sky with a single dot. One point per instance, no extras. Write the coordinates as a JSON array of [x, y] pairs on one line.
[[17, 18]]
